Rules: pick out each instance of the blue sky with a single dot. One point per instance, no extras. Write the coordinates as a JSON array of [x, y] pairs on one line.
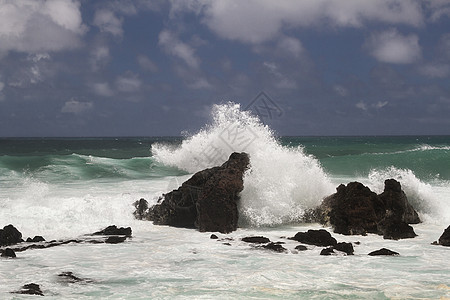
[[152, 68]]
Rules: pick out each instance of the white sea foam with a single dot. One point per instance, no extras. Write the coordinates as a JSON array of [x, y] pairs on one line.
[[281, 183], [425, 198]]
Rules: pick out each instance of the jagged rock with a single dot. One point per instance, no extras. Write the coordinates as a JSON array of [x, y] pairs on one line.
[[327, 251], [355, 209], [9, 235], [30, 289], [319, 237], [345, 247], [444, 240], [113, 230], [275, 247], [207, 201], [394, 229], [383, 251], [256, 239], [396, 203], [8, 252], [36, 239], [141, 209]]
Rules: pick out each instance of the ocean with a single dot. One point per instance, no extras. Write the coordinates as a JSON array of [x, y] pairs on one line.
[[66, 187]]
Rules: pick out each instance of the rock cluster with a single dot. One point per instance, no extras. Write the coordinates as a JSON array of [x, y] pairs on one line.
[[355, 209], [207, 201]]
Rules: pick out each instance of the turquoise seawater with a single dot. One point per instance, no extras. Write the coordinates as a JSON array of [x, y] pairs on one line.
[[68, 187]]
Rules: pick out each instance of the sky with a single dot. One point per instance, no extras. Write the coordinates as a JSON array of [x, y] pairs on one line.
[[74, 68]]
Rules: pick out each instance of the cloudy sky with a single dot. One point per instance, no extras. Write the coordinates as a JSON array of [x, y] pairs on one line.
[[152, 68]]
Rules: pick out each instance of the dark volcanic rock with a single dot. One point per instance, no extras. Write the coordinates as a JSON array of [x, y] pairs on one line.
[[213, 237], [113, 230], [383, 251], [141, 209], [30, 289], [327, 251], [319, 237], [394, 229], [275, 247], [115, 239], [345, 247], [444, 240], [355, 209], [256, 239], [36, 239], [207, 201], [301, 248], [9, 235], [396, 203], [69, 277], [8, 252]]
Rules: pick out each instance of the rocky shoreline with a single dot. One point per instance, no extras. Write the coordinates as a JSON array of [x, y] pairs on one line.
[[208, 202]]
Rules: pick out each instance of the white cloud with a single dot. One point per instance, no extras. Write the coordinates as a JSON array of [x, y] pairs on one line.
[[200, 83], [102, 89], [128, 83], [108, 22], [392, 47], [380, 104], [40, 26], [76, 107], [438, 9], [290, 46], [174, 46], [282, 81], [146, 63], [435, 70], [361, 105], [99, 57], [256, 21]]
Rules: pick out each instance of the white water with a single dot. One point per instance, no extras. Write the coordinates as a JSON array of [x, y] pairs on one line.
[[281, 183], [160, 262]]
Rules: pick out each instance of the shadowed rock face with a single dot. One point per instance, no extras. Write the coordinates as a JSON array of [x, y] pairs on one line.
[[444, 239], [207, 201], [9, 235], [355, 209]]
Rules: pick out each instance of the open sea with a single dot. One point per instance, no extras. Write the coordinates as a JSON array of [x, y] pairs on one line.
[[68, 187]]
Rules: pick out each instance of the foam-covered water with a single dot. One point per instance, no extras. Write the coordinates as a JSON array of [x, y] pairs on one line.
[[64, 188]]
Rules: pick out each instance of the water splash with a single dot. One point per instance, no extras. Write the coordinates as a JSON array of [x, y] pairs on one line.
[[281, 183]]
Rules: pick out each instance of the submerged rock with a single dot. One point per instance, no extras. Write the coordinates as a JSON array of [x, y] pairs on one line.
[[275, 247], [8, 252], [9, 235], [383, 251], [444, 240], [69, 277], [30, 289], [256, 239], [355, 209], [319, 237], [36, 239], [114, 230], [207, 201]]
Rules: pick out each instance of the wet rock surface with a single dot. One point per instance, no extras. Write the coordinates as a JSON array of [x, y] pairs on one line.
[[354, 209], [207, 201]]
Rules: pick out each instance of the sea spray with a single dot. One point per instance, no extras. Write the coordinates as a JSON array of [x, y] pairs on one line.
[[422, 196], [281, 183]]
